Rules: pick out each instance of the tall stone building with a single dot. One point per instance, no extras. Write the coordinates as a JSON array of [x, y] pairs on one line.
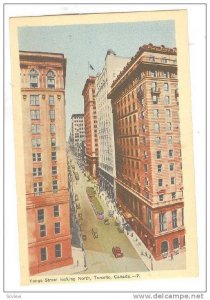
[[46, 179], [91, 127], [77, 132], [149, 188], [106, 160]]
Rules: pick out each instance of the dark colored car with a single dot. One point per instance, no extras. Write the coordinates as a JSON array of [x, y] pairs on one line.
[[76, 176], [94, 233], [106, 221], [84, 237], [120, 229], [117, 252], [77, 206]]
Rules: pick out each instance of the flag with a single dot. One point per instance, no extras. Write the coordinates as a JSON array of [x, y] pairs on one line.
[[91, 67]]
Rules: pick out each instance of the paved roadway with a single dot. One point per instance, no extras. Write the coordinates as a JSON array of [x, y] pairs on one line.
[[99, 257]]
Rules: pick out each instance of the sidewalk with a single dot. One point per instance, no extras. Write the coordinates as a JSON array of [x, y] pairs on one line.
[[178, 261], [78, 265]]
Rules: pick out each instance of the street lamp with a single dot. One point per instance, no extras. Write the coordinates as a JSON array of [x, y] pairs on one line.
[[85, 263]]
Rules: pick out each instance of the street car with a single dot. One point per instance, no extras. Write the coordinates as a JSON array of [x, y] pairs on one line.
[[117, 252]]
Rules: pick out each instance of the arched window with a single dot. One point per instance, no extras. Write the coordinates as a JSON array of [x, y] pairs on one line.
[[164, 247], [50, 80], [176, 243], [34, 78]]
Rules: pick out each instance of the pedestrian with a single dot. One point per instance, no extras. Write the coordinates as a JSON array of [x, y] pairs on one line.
[[172, 256], [77, 263]]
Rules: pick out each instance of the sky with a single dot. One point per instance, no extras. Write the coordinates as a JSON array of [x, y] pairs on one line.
[[81, 44]]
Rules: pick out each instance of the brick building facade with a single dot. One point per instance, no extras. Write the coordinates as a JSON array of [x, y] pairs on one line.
[[46, 179], [149, 188], [91, 127]]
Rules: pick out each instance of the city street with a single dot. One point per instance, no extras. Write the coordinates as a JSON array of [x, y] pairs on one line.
[[98, 251]]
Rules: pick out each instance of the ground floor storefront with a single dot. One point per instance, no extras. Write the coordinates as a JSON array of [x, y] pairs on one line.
[[162, 233]]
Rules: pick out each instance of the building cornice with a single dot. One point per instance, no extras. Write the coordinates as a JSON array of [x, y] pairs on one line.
[[137, 58], [90, 80]]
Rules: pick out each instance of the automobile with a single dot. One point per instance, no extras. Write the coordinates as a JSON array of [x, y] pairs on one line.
[[117, 222], [120, 229], [84, 237], [76, 175], [94, 233], [106, 221], [127, 227], [76, 197], [117, 252], [77, 206], [111, 213]]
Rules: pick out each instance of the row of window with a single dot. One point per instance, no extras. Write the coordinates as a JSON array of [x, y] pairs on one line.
[[57, 252], [43, 229], [160, 181], [167, 127], [140, 92], [176, 245], [38, 187], [134, 141], [38, 171], [162, 196], [134, 164], [132, 152], [36, 143], [35, 114], [164, 59], [41, 213], [163, 219], [34, 79], [36, 128], [130, 119], [35, 100], [164, 74], [155, 87], [159, 154], [133, 130]]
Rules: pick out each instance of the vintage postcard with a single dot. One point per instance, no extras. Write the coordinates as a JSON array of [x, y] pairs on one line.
[[103, 141]]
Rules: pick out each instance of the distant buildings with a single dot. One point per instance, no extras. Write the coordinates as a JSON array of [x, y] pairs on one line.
[[91, 127], [45, 162], [149, 187], [106, 161], [77, 135]]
